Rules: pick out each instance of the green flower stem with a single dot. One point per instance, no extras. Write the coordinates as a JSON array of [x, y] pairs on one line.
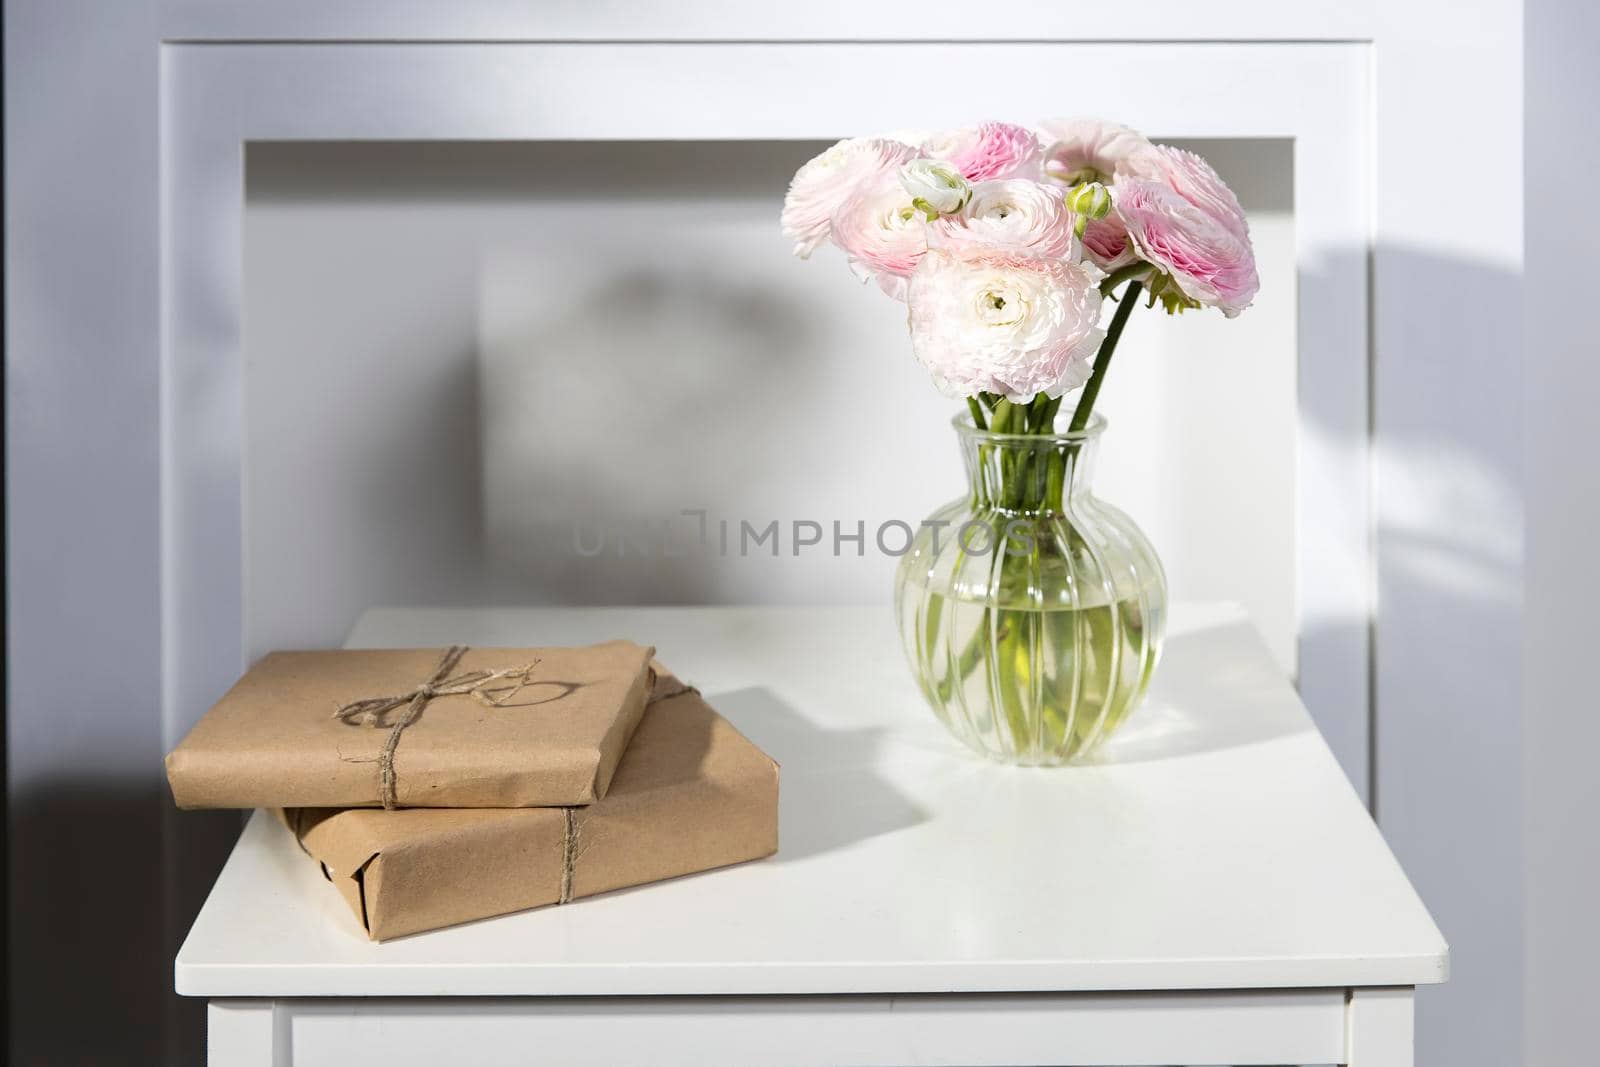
[[1091, 390], [1055, 482], [1048, 496], [1014, 468], [1015, 416], [1036, 412], [1000, 423], [1138, 270], [1048, 421]]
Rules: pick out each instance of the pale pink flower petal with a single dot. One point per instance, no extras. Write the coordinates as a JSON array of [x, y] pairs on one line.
[[1105, 243], [1192, 178], [1087, 150], [881, 231], [1015, 215], [988, 151], [827, 181], [1008, 324]]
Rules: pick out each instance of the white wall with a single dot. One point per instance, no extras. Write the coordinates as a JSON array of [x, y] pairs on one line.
[[454, 351], [1561, 479], [85, 809]]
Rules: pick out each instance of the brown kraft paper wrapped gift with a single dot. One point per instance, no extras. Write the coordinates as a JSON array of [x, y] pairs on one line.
[[691, 794], [497, 728]]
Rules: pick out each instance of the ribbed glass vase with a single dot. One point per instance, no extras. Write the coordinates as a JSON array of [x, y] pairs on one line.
[[1031, 611]]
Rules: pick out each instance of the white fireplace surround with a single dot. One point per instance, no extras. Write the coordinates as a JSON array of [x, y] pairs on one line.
[[1406, 518]]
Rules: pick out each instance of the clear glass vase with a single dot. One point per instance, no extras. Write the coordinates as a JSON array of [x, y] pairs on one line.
[[1032, 612]]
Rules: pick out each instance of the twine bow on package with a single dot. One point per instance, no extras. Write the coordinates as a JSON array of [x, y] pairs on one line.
[[433, 728]]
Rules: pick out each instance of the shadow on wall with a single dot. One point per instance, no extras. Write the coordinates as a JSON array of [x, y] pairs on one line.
[[425, 341], [1448, 735], [106, 877], [1445, 743], [648, 440]]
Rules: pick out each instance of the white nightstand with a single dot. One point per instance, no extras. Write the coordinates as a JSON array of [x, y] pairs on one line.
[[1209, 891]]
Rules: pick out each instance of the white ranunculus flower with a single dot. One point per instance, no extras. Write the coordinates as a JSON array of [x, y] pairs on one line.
[[828, 180], [936, 188], [1005, 323], [1015, 215]]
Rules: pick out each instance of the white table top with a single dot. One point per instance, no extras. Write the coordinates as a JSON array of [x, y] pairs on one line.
[[1213, 844]]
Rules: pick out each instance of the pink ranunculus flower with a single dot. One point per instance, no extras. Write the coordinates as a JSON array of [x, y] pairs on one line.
[[1201, 243], [1004, 323], [1014, 215], [988, 151], [1105, 243], [1198, 182], [882, 231], [1088, 150], [827, 181]]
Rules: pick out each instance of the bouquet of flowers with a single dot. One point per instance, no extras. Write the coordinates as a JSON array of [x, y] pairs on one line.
[[1004, 241], [1034, 643]]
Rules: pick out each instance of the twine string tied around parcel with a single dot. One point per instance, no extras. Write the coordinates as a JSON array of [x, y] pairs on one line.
[[569, 855], [491, 688]]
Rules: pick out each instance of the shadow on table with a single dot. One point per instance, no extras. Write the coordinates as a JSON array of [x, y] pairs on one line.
[[1252, 713], [830, 794]]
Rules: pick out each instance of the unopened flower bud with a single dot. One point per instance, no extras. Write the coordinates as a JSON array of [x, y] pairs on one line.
[[936, 187], [1091, 199], [1088, 201]]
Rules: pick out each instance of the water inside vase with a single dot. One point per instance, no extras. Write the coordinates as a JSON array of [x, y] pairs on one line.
[[1030, 682]]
